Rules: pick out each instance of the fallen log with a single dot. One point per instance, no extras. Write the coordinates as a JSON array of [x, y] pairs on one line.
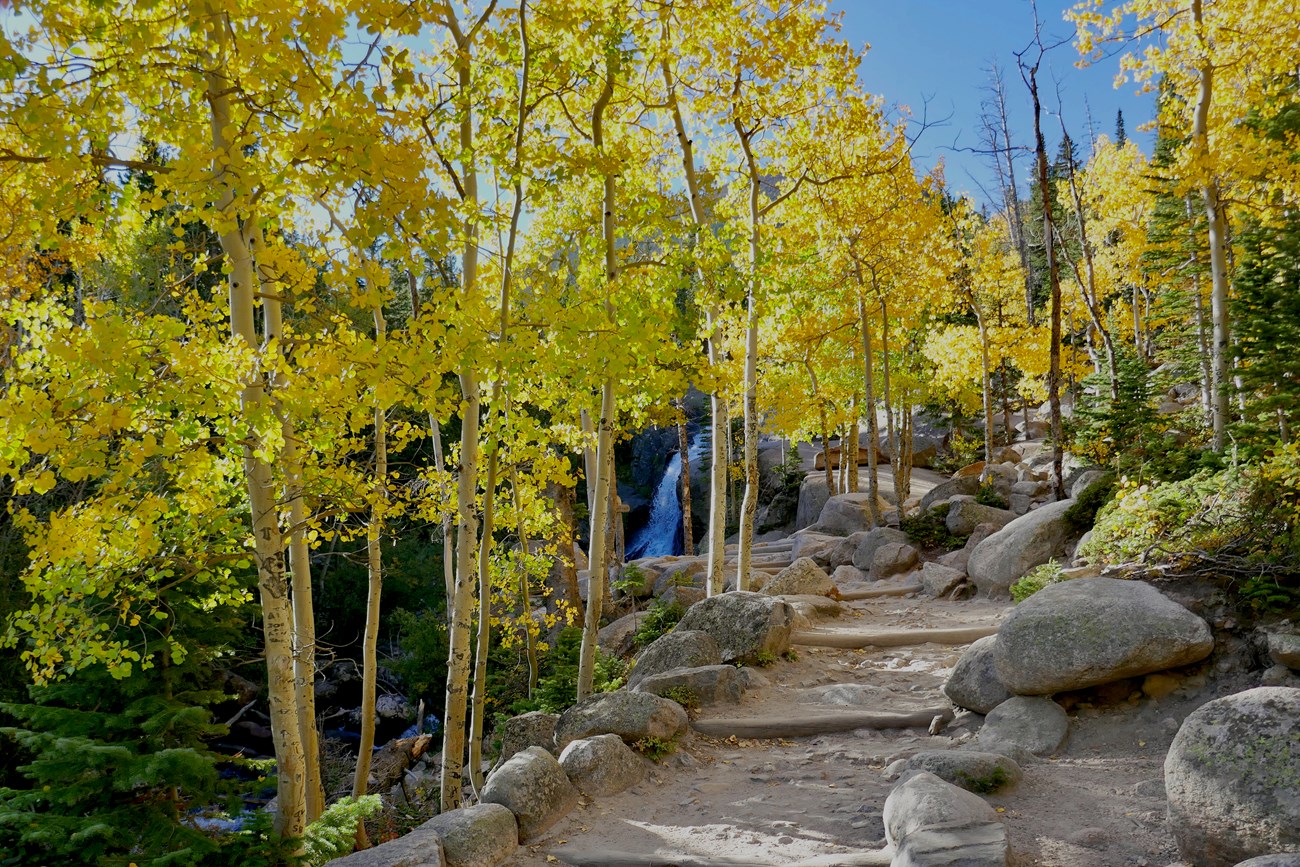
[[877, 592], [901, 638], [801, 726]]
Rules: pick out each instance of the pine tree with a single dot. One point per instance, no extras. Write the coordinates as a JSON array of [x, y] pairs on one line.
[[1121, 135]]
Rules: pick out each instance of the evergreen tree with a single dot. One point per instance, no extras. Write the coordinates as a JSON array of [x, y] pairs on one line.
[[1121, 135]]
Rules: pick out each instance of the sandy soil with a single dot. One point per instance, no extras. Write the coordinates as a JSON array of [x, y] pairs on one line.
[[1099, 802]]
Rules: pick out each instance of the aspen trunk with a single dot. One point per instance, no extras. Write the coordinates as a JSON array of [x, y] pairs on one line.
[[563, 578], [891, 431], [849, 449], [589, 465], [986, 383], [268, 541], [749, 505], [869, 399], [374, 563], [478, 700], [462, 599], [525, 593]]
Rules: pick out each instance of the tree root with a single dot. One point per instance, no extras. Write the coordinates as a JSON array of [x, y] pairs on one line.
[[795, 727], [903, 638]]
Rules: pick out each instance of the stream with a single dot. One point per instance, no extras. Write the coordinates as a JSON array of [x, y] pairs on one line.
[[662, 534]]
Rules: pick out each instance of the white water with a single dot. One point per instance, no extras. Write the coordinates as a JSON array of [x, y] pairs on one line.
[[662, 534]]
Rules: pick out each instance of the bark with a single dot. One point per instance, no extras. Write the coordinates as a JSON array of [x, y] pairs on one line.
[[461, 603], [268, 542], [601, 517], [825, 426], [525, 593], [1216, 237], [849, 449], [1054, 282], [749, 506], [869, 399], [717, 405], [986, 387], [683, 446], [483, 638], [563, 577], [895, 451], [374, 588], [304, 615]]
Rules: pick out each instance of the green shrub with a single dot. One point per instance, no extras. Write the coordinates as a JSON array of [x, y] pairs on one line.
[[1036, 579], [988, 495], [1083, 514], [764, 658], [930, 529], [557, 683], [657, 620], [683, 695], [654, 748], [334, 834]]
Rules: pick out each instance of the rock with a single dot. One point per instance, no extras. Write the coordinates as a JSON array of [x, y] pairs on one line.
[[394, 707], [390, 762], [928, 442], [851, 695], [974, 683], [893, 558], [1028, 541], [977, 772], [681, 648], [630, 715], [1284, 649], [931, 823], [968, 485], [808, 609], [845, 514], [939, 580], [710, 684], [419, 848], [976, 469], [813, 494], [683, 597], [743, 624], [617, 637], [1082, 480], [1233, 778], [1038, 725], [1281, 859], [532, 729], [803, 576], [686, 572], [841, 553], [869, 541], [533, 786], [965, 515], [1279, 675], [956, 559], [480, 836], [1091, 631], [848, 575], [602, 765], [780, 511], [817, 546], [1007, 455]]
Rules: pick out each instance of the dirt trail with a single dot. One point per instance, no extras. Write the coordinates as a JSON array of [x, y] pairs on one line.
[[782, 801]]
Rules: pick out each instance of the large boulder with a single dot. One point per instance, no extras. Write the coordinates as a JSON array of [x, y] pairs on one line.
[[743, 624], [813, 494], [968, 485], [630, 715], [617, 638], [1091, 631], [974, 771], [802, 577], [974, 683], [841, 554], [602, 765], [532, 729], [845, 514], [893, 558], [1028, 541], [966, 514], [931, 823], [1031, 723], [709, 684], [868, 542], [534, 787], [483, 835], [681, 648], [1233, 778], [817, 546]]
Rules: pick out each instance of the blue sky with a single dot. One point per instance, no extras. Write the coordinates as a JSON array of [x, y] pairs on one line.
[[941, 50]]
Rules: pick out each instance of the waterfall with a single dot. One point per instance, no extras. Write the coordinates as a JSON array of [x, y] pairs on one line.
[[662, 534]]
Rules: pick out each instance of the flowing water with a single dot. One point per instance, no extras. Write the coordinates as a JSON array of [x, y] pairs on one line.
[[662, 534]]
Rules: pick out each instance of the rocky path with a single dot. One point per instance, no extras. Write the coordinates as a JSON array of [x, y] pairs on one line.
[[791, 798]]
